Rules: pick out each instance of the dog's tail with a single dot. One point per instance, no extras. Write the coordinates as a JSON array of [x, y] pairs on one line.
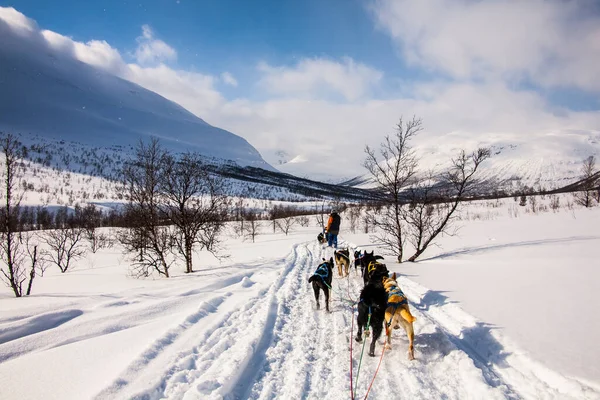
[[312, 278], [405, 313]]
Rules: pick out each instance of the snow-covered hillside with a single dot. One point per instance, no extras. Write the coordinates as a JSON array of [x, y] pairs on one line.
[[44, 91], [544, 161]]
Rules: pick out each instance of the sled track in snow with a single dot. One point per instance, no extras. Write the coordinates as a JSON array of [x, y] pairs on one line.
[[276, 345]]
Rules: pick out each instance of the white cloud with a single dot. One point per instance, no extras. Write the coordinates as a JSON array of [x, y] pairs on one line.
[[229, 79], [151, 51], [316, 77], [100, 54], [552, 43], [18, 21], [192, 90]]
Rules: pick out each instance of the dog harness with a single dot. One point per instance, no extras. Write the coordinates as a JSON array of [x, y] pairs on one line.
[[342, 253], [322, 271], [373, 265], [396, 297]]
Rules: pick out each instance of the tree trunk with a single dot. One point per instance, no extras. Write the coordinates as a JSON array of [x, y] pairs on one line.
[[32, 272], [188, 256]]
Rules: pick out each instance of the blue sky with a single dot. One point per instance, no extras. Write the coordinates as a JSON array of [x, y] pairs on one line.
[[312, 77], [217, 35]]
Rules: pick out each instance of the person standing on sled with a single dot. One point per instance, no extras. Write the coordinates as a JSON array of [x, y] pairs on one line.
[[333, 228]]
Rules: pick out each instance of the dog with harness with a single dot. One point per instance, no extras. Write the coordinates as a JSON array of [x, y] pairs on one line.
[[367, 262], [372, 306], [397, 313], [342, 260], [321, 280]]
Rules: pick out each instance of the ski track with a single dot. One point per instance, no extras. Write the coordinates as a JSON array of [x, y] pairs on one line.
[[277, 345], [62, 327]]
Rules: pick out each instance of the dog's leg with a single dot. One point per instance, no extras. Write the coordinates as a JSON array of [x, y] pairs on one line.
[[316, 290], [376, 333], [358, 337], [410, 332], [340, 269], [388, 321], [326, 290], [360, 321]]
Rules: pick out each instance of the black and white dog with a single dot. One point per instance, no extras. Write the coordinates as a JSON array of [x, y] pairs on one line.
[[321, 280]]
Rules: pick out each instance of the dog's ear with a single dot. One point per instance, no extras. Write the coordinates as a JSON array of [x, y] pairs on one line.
[[394, 276]]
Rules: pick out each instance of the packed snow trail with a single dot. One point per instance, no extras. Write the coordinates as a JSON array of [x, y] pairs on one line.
[[274, 344]]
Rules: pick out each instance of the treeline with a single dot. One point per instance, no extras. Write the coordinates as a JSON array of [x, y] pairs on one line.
[[29, 218]]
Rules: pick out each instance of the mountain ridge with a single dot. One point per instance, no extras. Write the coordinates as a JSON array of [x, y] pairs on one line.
[[46, 92]]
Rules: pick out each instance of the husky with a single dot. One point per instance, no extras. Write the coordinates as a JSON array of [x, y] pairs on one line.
[[321, 280], [342, 260], [371, 309], [397, 313]]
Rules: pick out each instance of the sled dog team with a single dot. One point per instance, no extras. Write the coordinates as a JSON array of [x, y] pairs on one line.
[[382, 303]]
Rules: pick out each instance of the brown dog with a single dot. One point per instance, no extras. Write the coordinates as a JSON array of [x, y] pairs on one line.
[[397, 313], [342, 260]]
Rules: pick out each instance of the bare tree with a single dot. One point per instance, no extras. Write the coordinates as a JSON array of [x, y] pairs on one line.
[[15, 272], [393, 170], [195, 204], [353, 217], [65, 246], [148, 237], [286, 224], [304, 221], [239, 214], [590, 178], [320, 216], [554, 203], [253, 225], [533, 203], [285, 217], [38, 261], [431, 212], [523, 200], [366, 223], [90, 219], [274, 213]]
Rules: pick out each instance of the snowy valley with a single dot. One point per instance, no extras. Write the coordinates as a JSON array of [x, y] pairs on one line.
[[505, 310], [505, 301]]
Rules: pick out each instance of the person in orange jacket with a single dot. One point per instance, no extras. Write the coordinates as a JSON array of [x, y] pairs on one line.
[[333, 228]]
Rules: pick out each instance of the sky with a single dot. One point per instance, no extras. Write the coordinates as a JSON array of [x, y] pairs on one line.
[[319, 80]]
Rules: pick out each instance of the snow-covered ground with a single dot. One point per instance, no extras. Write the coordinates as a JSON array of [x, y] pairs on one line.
[[507, 309]]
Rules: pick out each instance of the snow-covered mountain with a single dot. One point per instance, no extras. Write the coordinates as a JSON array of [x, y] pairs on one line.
[[47, 93], [543, 161]]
